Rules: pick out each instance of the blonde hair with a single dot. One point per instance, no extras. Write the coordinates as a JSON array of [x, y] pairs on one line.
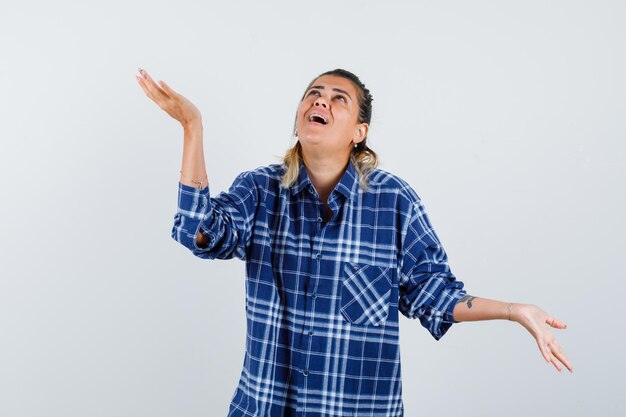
[[362, 157]]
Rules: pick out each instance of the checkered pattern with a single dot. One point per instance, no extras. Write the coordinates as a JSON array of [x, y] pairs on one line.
[[322, 298]]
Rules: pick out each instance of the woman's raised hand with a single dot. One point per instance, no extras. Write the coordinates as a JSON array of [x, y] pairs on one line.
[[169, 100], [538, 322]]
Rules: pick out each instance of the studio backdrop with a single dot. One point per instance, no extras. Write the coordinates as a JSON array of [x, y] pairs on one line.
[[507, 118]]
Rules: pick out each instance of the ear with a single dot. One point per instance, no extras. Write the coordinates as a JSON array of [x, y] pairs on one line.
[[361, 132]]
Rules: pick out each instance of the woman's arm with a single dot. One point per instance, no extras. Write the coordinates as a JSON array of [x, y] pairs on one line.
[[533, 318], [188, 115], [471, 308], [211, 227], [193, 165]]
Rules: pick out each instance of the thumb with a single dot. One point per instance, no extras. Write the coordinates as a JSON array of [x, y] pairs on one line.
[[166, 87], [556, 323]]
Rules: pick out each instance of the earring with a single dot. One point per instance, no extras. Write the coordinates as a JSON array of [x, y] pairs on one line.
[[356, 145]]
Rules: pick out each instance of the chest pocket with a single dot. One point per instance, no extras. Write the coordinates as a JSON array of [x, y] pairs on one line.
[[365, 294]]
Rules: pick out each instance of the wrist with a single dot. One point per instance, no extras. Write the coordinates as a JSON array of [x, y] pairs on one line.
[[192, 124], [192, 133], [513, 311]]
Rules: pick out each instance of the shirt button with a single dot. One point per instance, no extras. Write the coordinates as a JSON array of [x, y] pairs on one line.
[[201, 204], [318, 256], [319, 219], [305, 372], [310, 332], [314, 296]]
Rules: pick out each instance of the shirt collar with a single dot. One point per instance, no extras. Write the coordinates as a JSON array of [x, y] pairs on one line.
[[347, 185]]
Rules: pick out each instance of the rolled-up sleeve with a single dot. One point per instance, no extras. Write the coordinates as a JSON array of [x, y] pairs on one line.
[[428, 289], [226, 219]]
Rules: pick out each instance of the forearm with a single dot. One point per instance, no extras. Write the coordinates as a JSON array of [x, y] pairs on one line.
[[193, 164], [471, 308]]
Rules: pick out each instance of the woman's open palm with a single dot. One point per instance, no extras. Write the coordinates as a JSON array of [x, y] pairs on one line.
[[177, 106], [538, 322]]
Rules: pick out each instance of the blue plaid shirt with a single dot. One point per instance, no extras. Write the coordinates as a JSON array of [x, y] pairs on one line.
[[322, 298]]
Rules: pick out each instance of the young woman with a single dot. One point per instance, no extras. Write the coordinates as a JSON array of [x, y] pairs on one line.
[[334, 249]]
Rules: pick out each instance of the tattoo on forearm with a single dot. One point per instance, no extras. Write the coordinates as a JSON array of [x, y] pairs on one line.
[[469, 299]]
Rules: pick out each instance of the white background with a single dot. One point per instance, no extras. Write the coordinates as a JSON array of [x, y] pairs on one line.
[[506, 117]]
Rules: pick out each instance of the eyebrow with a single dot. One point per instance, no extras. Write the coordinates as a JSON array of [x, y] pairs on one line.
[[321, 87]]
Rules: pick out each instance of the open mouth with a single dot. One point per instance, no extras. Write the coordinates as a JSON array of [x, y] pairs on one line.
[[318, 119]]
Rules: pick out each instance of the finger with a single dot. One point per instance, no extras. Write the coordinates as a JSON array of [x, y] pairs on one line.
[[560, 354], [556, 323], [563, 359], [544, 351], [141, 78], [145, 83], [553, 359], [146, 90], [156, 91], [142, 84]]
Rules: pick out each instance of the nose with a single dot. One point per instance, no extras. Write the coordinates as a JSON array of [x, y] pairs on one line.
[[321, 102]]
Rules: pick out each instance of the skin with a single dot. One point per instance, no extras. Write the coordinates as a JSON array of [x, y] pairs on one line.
[[326, 148], [173, 103], [535, 320], [326, 152]]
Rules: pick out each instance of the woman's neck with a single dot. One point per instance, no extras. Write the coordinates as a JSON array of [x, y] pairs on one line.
[[324, 173]]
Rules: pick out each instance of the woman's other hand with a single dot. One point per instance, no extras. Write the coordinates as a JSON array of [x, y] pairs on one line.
[[169, 100], [538, 323]]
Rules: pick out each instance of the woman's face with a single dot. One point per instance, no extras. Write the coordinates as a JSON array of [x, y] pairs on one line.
[[335, 100]]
